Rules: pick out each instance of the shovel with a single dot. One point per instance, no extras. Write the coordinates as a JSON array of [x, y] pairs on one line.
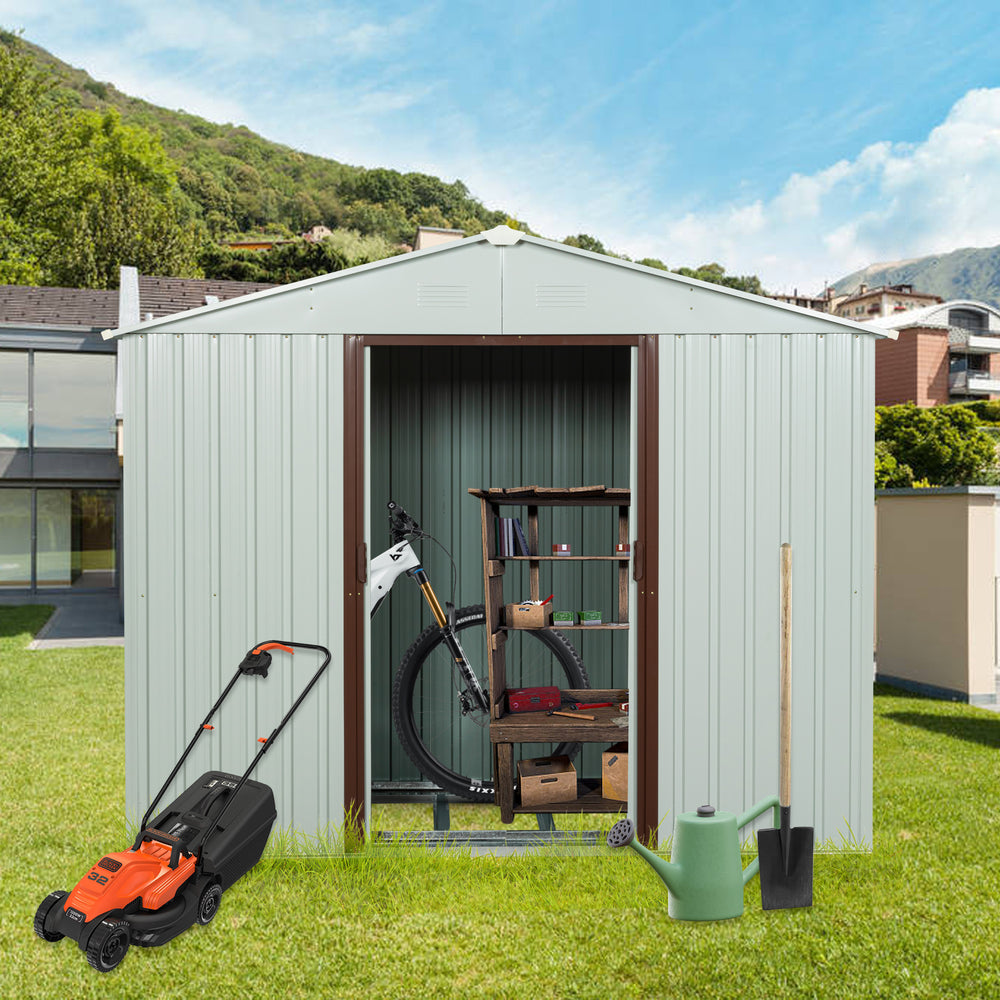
[[786, 854]]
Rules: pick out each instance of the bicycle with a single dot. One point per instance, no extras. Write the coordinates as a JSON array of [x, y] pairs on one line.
[[437, 734]]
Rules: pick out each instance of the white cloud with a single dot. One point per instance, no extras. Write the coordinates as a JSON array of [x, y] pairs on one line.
[[893, 200]]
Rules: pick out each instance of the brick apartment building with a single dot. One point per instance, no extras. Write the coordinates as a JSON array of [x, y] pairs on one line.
[[947, 352]]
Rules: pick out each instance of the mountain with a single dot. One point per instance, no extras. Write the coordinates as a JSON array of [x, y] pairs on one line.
[[970, 273]]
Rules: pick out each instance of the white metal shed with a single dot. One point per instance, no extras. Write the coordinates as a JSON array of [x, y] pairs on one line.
[[246, 465]]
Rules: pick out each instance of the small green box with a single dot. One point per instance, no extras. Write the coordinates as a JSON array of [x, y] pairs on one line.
[[563, 617], [590, 617]]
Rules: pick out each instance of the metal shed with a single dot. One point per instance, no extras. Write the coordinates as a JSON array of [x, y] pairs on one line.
[[247, 491]]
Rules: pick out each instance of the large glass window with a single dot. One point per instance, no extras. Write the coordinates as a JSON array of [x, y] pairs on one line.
[[74, 400], [15, 538], [75, 538], [967, 319], [13, 399], [75, 535]]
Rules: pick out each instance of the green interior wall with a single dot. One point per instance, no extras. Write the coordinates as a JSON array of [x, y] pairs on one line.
[[446, 419]]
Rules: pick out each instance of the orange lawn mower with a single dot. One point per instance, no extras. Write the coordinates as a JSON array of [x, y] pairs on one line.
[[175, 872]]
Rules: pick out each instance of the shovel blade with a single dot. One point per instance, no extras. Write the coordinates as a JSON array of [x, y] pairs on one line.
[[786, 880]]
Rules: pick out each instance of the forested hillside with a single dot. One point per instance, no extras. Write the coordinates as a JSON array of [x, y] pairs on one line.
[[91, 177], [238, 182]]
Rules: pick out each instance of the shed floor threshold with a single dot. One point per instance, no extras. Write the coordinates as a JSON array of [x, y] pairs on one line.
[[497, 842]]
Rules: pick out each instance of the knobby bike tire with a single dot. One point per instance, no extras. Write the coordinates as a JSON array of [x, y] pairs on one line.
[[407, 684]]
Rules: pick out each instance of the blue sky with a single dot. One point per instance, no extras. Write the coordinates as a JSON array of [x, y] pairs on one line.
[[795, 141]]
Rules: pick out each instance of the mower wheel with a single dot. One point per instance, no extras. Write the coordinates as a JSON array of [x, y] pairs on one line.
[[47, 905], [108, 944], [209, 903]]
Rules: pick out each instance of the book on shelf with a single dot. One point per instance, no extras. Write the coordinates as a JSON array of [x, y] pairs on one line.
[[510, 538], [522, 542]]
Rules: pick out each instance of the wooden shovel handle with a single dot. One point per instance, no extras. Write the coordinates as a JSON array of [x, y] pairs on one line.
[[785, 702]]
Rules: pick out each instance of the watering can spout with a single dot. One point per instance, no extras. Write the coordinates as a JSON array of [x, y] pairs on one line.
[[623, 835]]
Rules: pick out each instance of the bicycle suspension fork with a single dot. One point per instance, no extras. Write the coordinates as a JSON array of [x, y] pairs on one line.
[[473, 697]]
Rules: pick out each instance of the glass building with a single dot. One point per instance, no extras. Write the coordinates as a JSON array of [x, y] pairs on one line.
[[60, 463], [60, 479]]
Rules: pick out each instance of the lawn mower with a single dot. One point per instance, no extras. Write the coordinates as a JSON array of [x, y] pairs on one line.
[[178, 867]]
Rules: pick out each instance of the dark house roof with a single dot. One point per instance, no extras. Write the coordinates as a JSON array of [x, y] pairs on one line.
[[97, 309], [89, 308], [163, 296]]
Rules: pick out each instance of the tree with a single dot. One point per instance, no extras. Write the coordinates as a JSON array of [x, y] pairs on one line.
[[585, 242], [33, 190], [387, 220], [943, 444], [287, 262], [716, 274], [126, 224], [81, 193], [890, 473]]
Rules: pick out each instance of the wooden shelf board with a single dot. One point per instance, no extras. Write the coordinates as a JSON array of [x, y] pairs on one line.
[[561, 627], [588, 800], [624, 558], [537, 727]]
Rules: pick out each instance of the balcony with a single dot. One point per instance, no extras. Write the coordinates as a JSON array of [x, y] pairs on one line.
[[973, 383], [973, 342]]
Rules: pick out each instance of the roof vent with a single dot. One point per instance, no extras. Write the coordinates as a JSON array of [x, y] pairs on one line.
[[443, 296], [561, 296]]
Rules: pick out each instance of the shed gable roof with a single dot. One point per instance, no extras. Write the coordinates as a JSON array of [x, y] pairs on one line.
[[501, 282]]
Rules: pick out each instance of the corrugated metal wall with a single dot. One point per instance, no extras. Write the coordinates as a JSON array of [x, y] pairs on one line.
[[446, 419], [766, 439], [233, 515]]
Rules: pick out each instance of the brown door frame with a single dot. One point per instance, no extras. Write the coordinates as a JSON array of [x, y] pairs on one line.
[[645, 560]]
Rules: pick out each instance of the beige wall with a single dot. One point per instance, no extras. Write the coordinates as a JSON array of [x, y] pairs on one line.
[[935, 569], [435, 237]]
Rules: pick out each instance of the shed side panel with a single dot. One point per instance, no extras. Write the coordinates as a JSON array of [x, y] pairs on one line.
[[765, 439], [234, 456]]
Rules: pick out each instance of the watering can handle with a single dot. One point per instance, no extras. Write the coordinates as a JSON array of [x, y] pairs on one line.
[[753, 812]]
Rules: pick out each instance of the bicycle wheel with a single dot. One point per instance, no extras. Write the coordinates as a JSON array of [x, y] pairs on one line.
[[453, 749]]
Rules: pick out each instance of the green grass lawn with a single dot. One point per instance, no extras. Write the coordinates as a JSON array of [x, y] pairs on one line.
[[919, 917]]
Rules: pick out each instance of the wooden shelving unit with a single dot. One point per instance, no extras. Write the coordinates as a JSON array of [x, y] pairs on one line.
[[508, 729]]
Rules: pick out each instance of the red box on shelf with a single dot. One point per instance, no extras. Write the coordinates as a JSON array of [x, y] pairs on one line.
[[533, 699]]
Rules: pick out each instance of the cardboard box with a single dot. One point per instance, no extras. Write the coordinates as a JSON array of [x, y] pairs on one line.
[[614, 772], [590, 617], [564, 618], [529, 615], [546, 779]]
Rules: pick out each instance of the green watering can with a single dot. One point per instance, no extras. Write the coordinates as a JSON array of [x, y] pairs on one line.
[[705, 875]]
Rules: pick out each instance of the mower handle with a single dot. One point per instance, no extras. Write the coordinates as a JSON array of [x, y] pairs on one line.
[[174, 843], [257, 661], [267, 742], [273, 645]]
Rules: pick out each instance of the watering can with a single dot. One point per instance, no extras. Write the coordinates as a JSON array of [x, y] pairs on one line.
[[705, 875]]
